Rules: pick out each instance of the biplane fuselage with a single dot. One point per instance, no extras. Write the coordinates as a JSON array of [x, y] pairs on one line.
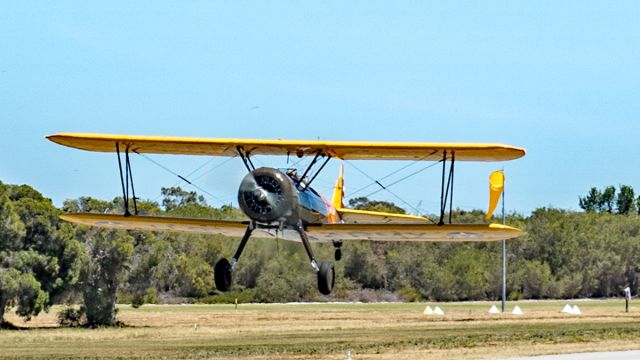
[[282, 204]]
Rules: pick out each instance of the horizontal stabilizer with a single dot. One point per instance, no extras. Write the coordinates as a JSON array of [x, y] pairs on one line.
[[353, 216]]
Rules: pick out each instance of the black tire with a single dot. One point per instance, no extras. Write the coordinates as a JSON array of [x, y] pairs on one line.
[[222, 275], [338, 254], [326, 278]]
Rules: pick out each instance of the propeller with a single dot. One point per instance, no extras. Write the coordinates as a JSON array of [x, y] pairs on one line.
[[261, 193]]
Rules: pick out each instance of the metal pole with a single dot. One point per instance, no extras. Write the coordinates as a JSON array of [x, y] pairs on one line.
[[504, 261]]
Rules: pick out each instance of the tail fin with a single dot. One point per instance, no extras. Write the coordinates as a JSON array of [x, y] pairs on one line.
[[338, 190]]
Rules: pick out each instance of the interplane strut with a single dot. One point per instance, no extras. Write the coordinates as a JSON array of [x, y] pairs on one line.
[[126, 180], [445, 195]]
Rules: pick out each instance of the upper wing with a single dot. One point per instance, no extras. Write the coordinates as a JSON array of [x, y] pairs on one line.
[[346, 150], [353, 216], [412, 232]]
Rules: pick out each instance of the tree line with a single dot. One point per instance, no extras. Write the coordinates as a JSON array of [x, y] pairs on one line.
[[608, 200], [45, 261]]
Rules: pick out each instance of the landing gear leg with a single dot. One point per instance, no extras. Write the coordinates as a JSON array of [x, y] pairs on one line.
[[337, 244], [224, 267], [326, 273]]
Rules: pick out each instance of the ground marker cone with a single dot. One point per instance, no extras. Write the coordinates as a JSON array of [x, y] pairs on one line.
[[567, 309], [494, 310], [438, 311], [576, 310], [428, 310], [517, 310]]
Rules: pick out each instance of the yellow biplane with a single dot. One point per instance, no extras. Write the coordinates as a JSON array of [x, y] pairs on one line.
[[281, 203]]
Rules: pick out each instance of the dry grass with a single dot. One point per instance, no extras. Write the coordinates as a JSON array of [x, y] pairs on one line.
[[380, 331]]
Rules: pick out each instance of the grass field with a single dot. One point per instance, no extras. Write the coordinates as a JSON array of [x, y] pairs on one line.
[[329, 331]]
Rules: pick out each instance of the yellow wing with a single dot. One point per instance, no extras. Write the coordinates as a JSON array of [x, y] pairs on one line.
[[352, 216], [158, 223], [321, 233], [347, 150], [412, 232]]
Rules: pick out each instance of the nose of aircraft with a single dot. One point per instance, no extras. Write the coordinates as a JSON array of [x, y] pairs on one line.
[[266, 195], [260, 194]]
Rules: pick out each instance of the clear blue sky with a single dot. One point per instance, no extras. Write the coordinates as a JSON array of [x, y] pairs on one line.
[[560, 79]]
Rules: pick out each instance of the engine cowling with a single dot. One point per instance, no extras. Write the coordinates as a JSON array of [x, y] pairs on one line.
[[268, 195]]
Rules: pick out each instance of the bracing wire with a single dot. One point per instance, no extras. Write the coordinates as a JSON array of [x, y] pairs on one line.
[[201, 175], [377, 182], [402, 179], [213, 168], [179, 176], [384, 177], [387, 187], [200, 167]]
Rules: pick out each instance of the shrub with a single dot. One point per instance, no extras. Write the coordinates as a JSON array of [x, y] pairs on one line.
[[71, 316], [410, 294], [243, 296]]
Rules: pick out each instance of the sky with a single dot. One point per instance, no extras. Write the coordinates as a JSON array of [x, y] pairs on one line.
[[559, 79]]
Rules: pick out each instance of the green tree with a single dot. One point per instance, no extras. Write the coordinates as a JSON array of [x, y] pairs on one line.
[[278, 282], [608, 199], [108, 252], [625, 202], [591, 202], [87, 204], [194, 276], [175, 196], [21, 289], [366, 265], [39, 258], [533, 279], [363, 203], [469, 266]]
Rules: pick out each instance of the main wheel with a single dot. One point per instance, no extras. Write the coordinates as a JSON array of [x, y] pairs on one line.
[[222, 275], [326, 278]]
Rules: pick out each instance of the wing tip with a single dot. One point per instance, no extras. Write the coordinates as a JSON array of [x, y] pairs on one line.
[[515, 232], [56, 138]]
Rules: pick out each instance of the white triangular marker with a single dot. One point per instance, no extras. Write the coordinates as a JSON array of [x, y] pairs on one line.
[[428, 310], [517, 311], [438, 311], [576, 310], [567, 309], [494, 310]]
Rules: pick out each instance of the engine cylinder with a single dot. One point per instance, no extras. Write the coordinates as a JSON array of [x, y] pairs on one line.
[[267, 195]]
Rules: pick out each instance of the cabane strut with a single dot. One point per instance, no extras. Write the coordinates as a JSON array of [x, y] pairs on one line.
[[246, 159], [319, 154]]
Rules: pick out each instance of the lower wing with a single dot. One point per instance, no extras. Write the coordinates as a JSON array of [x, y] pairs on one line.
[[159, 223], [413, 232], [319, 232]]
